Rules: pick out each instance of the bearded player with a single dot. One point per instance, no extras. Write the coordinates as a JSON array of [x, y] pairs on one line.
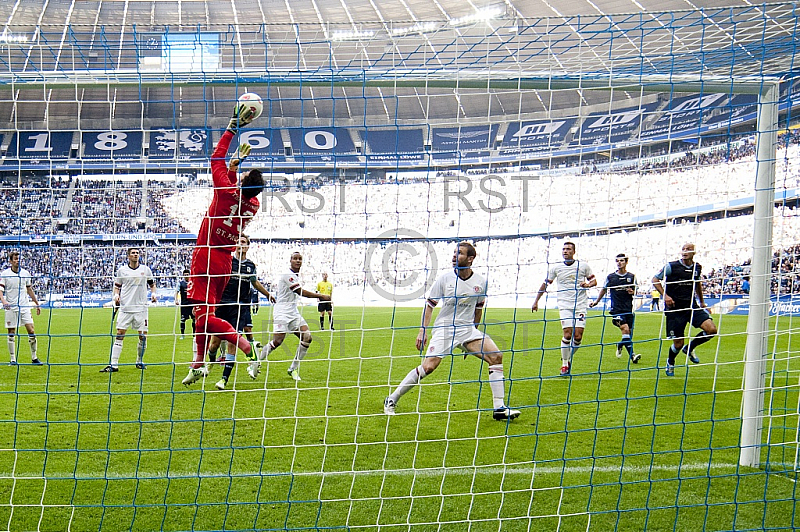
[[233, 206]]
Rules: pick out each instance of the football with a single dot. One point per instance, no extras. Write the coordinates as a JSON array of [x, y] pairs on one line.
[[252, 100]]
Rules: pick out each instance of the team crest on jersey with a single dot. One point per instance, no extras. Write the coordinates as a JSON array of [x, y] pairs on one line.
[[476, 289], [291, 279]]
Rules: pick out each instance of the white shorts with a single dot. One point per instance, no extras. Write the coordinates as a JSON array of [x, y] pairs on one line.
[[288, 324], [16, 318], [132, 320], [572, 319], [446, 339]]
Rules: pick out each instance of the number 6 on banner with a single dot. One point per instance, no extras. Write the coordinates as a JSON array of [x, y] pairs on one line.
[[256, 139]]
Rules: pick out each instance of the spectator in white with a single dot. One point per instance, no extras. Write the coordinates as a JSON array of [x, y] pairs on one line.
[[574, 278], [130, 297], [16, 294]]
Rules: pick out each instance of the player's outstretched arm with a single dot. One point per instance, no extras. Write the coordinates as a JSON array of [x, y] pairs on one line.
[[260, 287], [241, 155], [599, 298], [315, 295], [657, 284], [32, 295], [539, 294], [422, 337]]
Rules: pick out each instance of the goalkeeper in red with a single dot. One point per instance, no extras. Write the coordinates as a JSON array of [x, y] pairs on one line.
[[234, 204]]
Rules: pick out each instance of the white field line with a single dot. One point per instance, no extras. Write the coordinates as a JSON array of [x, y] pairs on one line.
[[696, 467]]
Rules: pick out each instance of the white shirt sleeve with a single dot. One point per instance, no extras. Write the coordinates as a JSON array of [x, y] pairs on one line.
[[437, 291], [551, 274], [588, 272]]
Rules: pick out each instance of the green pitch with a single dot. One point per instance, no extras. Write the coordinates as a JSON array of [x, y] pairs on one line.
[[614, 446]]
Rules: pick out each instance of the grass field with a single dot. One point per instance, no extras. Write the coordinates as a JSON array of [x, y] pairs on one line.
[[615, 446]]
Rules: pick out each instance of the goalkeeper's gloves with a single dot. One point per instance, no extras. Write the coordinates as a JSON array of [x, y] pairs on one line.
[[244, 151], [241, 154], [242, 116]]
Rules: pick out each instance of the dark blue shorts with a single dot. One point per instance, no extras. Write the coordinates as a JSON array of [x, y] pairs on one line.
[[187, 312], [619, 319], [237, 315], [678, 319]]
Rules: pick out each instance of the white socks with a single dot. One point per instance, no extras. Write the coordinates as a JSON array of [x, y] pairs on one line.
[[566, 351], [497, 386], [408, 382], [302, 350], [32, 343], [140, 350], [568, 348], [265, 351], [116, 351]]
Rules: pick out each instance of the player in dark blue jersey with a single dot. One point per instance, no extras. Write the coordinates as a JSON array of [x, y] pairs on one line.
[[680, 284], [234, 305], [182, 300], [621, 285]]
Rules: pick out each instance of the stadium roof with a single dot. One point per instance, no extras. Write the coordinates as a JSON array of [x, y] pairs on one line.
[[324, 14], [364, 60]]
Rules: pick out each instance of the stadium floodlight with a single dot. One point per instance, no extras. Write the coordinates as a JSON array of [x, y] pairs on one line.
[[481, 15], [9, 38], [418, 27]]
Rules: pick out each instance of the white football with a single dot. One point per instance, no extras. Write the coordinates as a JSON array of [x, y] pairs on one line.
[[253, 101]]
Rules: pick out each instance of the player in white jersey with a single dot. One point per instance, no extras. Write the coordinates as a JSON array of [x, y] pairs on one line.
[[130, 297], [463, 293], [287, 318], [574, 278], [16, 294]]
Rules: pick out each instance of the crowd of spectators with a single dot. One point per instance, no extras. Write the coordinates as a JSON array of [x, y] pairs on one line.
[[505, 204], [735, 279], [338, 232], [28, 208], [87, 268], [514, 267], [104, 207]]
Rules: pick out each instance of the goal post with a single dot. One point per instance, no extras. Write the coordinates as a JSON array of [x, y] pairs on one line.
[[756, 350]]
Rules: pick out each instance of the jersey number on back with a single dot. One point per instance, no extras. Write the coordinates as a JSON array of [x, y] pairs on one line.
[[229, 220]]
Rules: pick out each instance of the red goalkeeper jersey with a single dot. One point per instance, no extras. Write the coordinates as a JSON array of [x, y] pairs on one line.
[[229, 211]]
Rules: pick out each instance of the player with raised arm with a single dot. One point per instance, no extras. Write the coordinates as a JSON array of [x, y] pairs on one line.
[[324, 287], [574, 278], [622, 286], [130, 296], [234, 306], [16, 294], [287, 318], [234, 204], [462, 292], [679, 282]]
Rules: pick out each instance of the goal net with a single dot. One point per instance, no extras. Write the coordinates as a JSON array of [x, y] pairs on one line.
[[383, 147]]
